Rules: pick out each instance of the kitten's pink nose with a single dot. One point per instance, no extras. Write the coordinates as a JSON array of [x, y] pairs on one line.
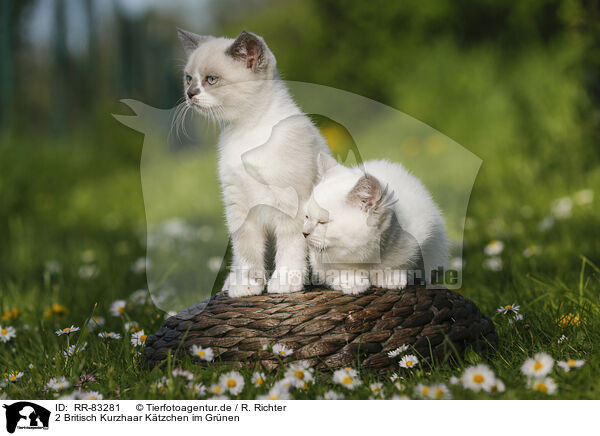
[[305, 234], [192, 92]]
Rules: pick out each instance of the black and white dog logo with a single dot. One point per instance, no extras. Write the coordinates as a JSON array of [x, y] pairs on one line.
[[26, 415]]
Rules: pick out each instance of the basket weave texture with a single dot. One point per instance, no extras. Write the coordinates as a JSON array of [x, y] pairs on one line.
[[327, 328]]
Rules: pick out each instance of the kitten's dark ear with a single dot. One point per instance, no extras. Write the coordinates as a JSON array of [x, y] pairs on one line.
[[251, 49], [191, 41], [366, 194], [324, 163]]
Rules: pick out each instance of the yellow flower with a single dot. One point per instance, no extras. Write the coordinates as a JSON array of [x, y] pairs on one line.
[[11, 314], [55, 309], [569, 320]]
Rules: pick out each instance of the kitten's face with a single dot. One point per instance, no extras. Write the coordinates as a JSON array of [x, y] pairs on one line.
[[222, 76], [334, 221]]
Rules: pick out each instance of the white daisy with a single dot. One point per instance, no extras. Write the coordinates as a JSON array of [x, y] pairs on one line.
[[88, 272], [258, 379], [7, 333], [494, 248], [232, 382], [163, 384], [347, 377], [538, 366], [493, 264], [570, 364], [454, 380], [282, 350], [139, 266], [333, 395], [284, 383], [400, 386], [561, 208], [138, 338], [13, 376], [109, 335], [376, 388], [399, 397], [394, 377], [141, 296], [544, 385], [214, 263], [562, 339], [53, 267], [457, 263], [477, 378], [132, 326], [58, 384], [276, 393], [299, 373], [74, 349], [199, 389], [118, 308], [216, 389], [546, 224], [422, 391], [509, 309], [497, 387], [92, 395], [398, 351], [439, 392], [67, 330], [96, 321], [202, 353], [409, 361], [585, 196], [184, 373], [532, 250], [515, 318]]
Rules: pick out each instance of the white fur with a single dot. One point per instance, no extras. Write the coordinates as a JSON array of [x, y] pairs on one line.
[[344, 238], [267, 162]]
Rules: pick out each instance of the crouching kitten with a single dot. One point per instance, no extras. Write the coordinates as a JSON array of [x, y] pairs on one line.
[[377, 226]]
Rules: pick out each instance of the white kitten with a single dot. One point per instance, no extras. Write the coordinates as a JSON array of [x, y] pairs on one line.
[[369, 226], [267, 156]]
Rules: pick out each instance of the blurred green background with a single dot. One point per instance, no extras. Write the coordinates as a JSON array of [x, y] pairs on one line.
[[516, 83]]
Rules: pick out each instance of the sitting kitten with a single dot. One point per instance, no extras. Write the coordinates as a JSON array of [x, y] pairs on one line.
[[364, 228], [267, 156]]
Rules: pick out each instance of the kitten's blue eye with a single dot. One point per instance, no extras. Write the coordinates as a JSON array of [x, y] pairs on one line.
[[211, 80], [188, 78]]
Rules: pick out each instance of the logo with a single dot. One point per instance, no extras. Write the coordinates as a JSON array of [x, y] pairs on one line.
[[26, 415]]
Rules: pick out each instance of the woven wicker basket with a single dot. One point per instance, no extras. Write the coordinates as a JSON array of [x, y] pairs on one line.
[[326, 328]]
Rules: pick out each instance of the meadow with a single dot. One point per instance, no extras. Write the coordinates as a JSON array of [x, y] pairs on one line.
[[73, 237]]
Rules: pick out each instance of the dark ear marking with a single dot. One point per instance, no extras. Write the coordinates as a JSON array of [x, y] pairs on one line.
[[366, 194], [191, 41], [249, 48]]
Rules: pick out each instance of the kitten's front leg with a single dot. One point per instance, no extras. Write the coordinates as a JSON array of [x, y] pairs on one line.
[[389, 278], [290, 259], [247, 275], [351, 281]]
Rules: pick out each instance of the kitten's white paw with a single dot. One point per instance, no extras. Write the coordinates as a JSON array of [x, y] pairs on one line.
[[354, 290], [236, 291], [243, 286], [282, 284], [399, 286]]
